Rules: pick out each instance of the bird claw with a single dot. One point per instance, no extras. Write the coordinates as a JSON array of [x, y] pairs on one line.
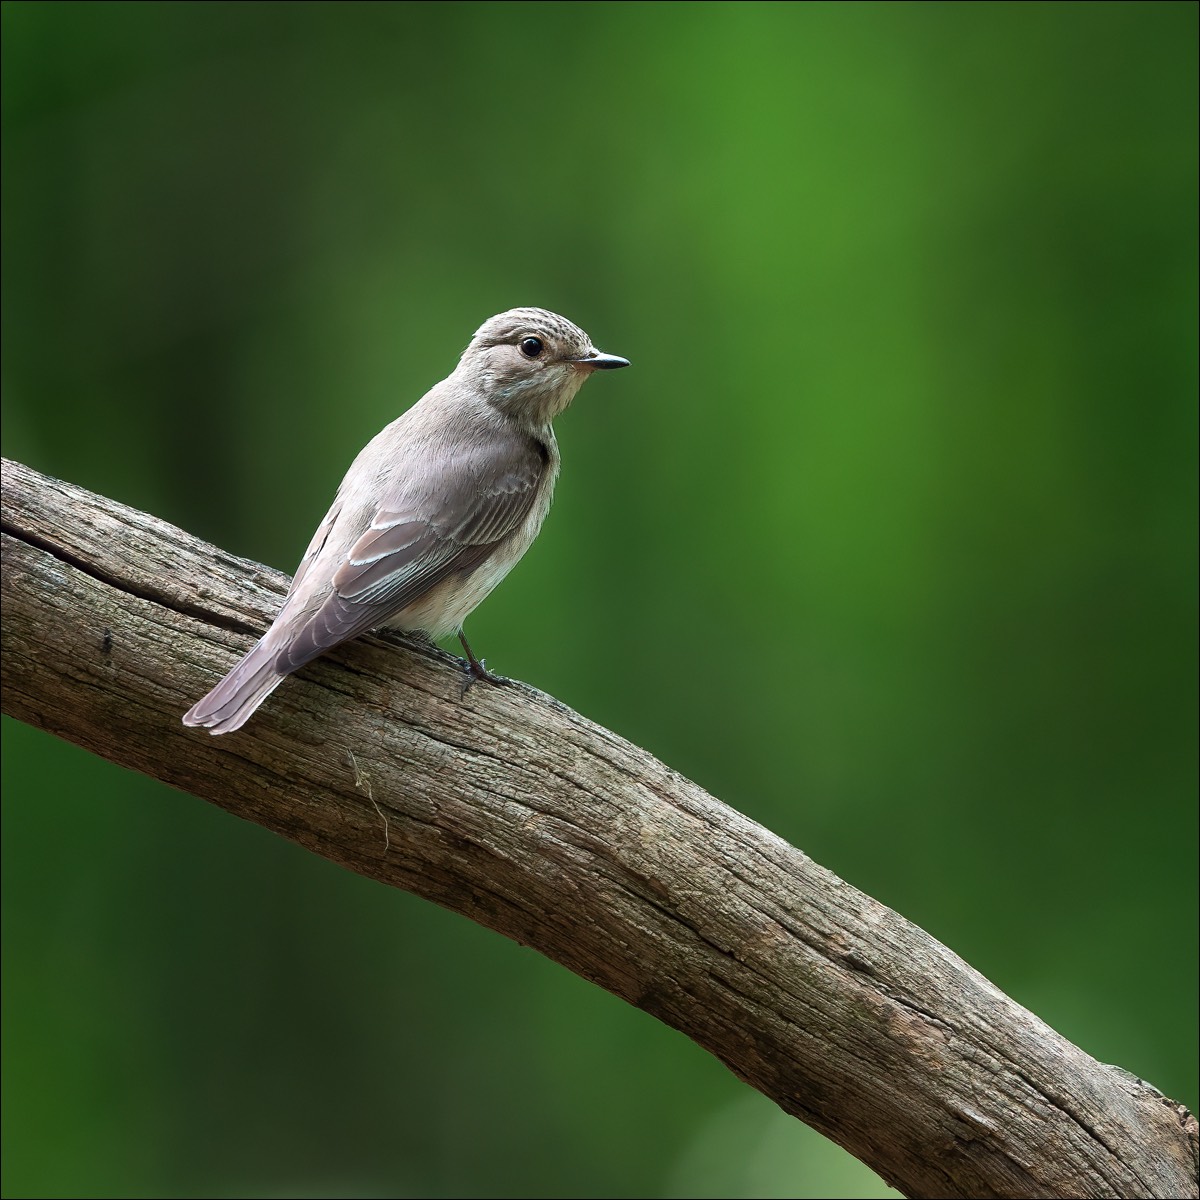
[[474, 669]]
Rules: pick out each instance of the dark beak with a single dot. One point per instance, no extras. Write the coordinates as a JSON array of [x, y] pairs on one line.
[[602, 362]]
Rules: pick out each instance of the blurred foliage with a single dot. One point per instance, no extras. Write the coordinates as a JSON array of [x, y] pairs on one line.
[[888, 538]]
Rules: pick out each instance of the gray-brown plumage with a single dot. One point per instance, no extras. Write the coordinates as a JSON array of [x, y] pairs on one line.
[[433, 513]]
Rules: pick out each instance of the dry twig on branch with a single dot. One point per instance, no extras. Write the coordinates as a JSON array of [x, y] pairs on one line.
[[509, 808]]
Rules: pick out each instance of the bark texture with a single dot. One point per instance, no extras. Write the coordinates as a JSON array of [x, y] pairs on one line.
[[506, 806]]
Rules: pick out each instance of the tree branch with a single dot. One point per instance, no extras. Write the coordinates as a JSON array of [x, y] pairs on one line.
[[509, 808]]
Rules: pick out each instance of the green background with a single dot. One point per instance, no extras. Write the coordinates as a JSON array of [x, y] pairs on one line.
[[887, 539]]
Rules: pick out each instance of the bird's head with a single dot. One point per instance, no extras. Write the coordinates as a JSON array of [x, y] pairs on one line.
[[529, 363]]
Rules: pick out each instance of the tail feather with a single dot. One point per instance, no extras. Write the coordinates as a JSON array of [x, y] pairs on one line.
[[233, 701]]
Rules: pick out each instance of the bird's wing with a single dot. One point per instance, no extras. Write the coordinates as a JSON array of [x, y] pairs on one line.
[[316, 545], [426, 531]]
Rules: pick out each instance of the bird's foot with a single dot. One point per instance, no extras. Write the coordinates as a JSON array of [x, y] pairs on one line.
[[476, 669]]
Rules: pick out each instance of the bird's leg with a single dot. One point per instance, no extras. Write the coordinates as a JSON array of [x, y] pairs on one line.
[[474, 668]]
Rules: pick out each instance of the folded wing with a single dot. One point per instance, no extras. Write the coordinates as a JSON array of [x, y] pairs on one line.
[[426, 532]]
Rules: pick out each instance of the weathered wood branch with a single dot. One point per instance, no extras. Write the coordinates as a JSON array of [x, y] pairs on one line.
[[511, 809]]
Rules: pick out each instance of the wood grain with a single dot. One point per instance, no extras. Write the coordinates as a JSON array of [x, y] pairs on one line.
[[508, 807]]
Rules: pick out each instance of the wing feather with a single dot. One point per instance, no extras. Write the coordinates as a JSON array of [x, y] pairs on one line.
[[421, 537]]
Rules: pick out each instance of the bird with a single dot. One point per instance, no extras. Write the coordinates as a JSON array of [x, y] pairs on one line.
[[434, 511]]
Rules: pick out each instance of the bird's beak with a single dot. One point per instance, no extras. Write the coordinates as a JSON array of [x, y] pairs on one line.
[[602, 362]]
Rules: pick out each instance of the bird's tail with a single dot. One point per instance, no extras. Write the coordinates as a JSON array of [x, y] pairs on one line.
[[233, 701]]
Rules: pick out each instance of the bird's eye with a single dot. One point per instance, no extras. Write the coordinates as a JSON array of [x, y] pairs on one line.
[[531, 347]]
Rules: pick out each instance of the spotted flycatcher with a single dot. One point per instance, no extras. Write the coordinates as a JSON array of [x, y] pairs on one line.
[[434, 511]]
